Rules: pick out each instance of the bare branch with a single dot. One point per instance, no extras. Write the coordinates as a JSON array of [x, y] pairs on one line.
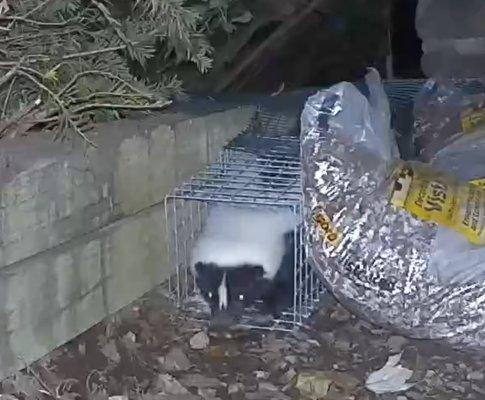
[[89, 107], [59, 104], [10, 74], [7, 98], [41, 57], [34, 22], [101, 73]]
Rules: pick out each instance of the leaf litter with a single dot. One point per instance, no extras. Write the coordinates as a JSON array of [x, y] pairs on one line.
[[149, 351]]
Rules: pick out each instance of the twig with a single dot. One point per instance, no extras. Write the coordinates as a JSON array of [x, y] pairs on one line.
[[21, 114], [10, 74], [277, 35], [38, 379], [7, 98], [38, 23], [95, 72], [109, 106], [59, 104], [109, 94], [114, 23], [36, 36], [96, 106], [42, 57], [29, 13]]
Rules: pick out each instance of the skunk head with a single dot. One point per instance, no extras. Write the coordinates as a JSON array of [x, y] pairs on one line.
[[228, 291]]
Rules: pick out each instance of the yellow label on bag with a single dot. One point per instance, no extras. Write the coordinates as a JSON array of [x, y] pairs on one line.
[[471, 120], [436, 197], [326, 228]]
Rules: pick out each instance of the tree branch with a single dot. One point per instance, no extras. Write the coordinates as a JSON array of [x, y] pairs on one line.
[[42, 57], [7, 98], [59, 104], [34, 22], [147, 107]]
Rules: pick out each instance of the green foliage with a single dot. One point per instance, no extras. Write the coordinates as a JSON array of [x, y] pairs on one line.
[[68, 63]]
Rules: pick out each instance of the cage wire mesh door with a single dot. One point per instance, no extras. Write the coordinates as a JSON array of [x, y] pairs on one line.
[[255, 171]]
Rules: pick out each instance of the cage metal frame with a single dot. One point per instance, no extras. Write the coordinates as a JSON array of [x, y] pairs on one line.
[[242, 176]]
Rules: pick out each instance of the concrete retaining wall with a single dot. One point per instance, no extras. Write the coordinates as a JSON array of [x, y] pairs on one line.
[[82, 232]]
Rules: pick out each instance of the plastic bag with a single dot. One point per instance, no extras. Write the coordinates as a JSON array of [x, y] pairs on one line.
[[444, 111], [453, 36], [374, 255]]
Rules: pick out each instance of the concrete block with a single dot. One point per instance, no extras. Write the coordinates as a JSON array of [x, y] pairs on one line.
[[52, 193], [54, 296]]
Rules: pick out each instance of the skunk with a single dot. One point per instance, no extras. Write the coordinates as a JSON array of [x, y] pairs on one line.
[[245, 255]]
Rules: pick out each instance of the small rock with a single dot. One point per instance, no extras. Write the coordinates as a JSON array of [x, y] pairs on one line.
[[167, 384], [261, 374], [200, 381], [199, 341], [396, 343], [401, 398], [235, 388], [176, 360], [475, 376], [267, 387]]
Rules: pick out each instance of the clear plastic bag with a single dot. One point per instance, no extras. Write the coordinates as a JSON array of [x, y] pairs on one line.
[[444, 111], [453, 36], [371, 235]]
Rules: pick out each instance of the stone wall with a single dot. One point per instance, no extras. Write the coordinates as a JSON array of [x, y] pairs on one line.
[[82, 230]]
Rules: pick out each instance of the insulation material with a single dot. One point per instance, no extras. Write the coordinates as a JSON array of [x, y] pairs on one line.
[[373, 234]]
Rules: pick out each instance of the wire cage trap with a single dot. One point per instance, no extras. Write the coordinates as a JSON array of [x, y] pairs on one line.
[[255, 171]]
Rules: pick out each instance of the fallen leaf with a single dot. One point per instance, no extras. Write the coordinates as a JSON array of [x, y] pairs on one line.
[[176, 360], [167, 384], [391, 378], [111, 352], [130, 344], [200, 381], [199, 341], [317, 384]]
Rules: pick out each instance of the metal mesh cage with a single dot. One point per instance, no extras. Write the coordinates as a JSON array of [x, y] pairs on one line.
[[254, 171]]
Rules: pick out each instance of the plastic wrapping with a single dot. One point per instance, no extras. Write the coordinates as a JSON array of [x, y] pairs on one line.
[[453, 36], [444, 111], [379, 260]]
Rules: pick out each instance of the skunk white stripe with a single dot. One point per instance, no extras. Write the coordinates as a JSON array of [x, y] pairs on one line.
[[223, 300], [233, 236]]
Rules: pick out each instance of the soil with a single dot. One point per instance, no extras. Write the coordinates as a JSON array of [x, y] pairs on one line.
[[151, 351]]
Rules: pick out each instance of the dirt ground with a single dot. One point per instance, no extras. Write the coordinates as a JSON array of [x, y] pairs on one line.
[[150, 351]]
